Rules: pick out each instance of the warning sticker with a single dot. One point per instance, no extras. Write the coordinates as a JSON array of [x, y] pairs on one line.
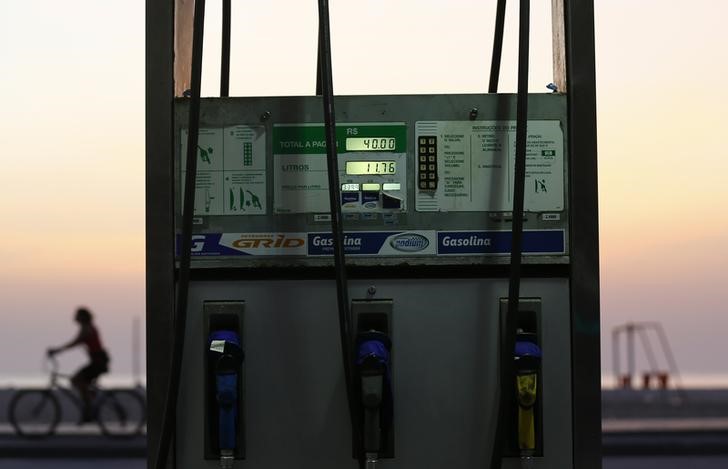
[[475, 166], [231, 176]]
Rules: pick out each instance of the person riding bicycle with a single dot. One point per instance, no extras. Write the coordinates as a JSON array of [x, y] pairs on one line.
[[88, 336]]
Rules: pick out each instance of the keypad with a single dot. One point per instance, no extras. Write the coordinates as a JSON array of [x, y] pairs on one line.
[[427, 156], [247, 154]]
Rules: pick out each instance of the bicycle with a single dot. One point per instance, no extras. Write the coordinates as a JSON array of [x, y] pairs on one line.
[[36, 413]]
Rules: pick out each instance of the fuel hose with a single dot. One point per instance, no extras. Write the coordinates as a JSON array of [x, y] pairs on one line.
[[495, 60], [225, 49], [337, 230], [508, 342]]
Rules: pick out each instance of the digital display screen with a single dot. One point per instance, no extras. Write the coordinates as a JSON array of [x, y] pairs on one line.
[[357, 168], [371, 144]]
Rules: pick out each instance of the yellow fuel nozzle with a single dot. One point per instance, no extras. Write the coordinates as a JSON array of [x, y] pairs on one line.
[[527, 359], [526, 386]]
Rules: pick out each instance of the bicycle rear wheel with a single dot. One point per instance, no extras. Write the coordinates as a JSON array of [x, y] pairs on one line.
[[121, 413], [34, 413]]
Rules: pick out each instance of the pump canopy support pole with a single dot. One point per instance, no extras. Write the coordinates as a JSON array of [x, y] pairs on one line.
[[584, 241], [342, 296], [183, 280]]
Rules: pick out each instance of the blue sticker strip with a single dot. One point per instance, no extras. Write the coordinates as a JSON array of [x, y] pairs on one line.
[[499, 242], [322, 244], [372, 242], [209, 245]]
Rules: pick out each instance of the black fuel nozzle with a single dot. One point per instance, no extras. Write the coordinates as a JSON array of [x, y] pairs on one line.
[[527, 364], [373, 361]]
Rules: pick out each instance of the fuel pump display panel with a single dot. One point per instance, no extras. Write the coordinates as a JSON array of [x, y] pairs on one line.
[[421, 182], [359, 168], [370, 144], [373, 182]]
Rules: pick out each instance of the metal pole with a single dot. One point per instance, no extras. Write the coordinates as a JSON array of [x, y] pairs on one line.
[[616, 355], [183, 281], [665, 344], [644, 338], [583, 233], [135, 349], [630, 353]]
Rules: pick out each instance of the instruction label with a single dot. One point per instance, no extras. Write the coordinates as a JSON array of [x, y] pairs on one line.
[[231, 177], [475, 163]]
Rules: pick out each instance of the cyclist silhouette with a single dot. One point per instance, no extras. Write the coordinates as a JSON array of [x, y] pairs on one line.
[[88, 335]]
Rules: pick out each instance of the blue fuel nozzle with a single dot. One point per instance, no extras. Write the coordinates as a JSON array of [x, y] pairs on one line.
[[373, 364], [226, 357]]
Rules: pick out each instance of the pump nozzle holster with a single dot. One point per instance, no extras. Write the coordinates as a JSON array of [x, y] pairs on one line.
[[373, 353], [226, 358], [527, 358]]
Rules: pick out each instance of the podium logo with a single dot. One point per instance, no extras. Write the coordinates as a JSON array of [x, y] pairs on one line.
[[409, 242]]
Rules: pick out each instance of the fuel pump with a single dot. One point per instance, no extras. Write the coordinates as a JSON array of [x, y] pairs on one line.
[[370, 256]]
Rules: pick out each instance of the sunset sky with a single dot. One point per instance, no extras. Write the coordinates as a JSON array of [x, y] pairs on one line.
[[72, 134]]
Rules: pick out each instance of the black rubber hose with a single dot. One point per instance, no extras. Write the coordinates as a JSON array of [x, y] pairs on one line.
[[337, 229], [318, 63], [508, 343], [495, 59], [225, 58], [183, 279]]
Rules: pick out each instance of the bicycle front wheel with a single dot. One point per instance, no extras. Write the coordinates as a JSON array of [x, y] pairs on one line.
[[121, 413], [34, 413]]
